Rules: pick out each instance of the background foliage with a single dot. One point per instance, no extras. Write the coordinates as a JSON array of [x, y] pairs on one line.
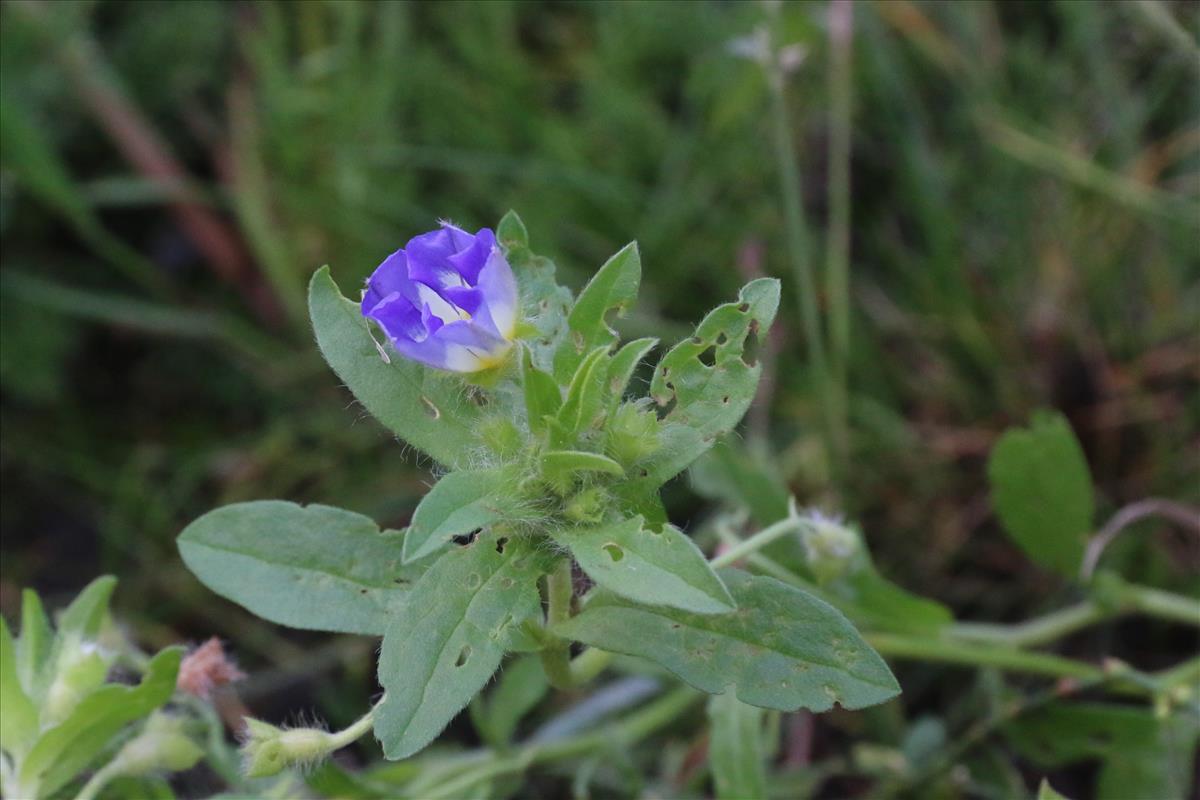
[[1024, 205]]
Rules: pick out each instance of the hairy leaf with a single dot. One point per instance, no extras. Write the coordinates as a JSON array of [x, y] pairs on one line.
[[544, 304], [558, 464], [312, 567], [613, 288], [449, 636], [88, 610], [459, 503], [585, 398], [735, 748], [425, 407], [543, 398], [706, 383], [36, 641], [1042, 490], [654, 567], [62, 751], [782, 648], [18, 717]]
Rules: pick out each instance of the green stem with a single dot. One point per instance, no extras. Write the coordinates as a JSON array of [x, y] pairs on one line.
[[628, 731], [978, 654], [1037, 631], [556, 655], [356, 731], [756, 542], [1164, 605]]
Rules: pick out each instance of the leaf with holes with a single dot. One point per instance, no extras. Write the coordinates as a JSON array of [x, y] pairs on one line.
[[735, 748], [62, 751], [614, 287], [461, 502], [1042, 490], [660, 568], [544, 304], [449, 636], [312, 567], [782, 648], [708, 381], [427, 408]]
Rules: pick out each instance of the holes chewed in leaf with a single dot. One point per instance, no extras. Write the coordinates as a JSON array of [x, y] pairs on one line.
[[614, 551], [743, 307], [751, 347], [463, 655], [466, 538], [709, 357], [503, 540]]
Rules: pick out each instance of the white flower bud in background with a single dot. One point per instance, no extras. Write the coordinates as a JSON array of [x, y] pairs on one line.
[[830, 546]]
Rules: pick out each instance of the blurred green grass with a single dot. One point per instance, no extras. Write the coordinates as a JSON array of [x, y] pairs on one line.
[[1025, 186]]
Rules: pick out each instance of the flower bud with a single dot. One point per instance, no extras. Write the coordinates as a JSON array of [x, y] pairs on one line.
[[161, 746], [268, 750], [587, 507], [80, 669], [633, 433], [830, 547]]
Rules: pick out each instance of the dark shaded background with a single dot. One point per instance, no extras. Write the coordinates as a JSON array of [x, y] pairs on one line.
[[1024, 235]]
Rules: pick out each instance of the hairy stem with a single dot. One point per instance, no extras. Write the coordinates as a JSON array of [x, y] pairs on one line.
[[556, 656]]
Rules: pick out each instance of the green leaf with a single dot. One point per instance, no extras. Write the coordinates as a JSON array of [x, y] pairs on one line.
[[449, 636], [459, 503], [427, 408], [782, 648], [1042, 490], [560, 464], [1047, 792], [19, 717], [511, 231], [521, 687], [735, 748], [542, 396], [873, 601], [61, 752], [312, 567], [88, 610], [613, 287], [621, 367], [585, 398], [36, 642], [707, 396], [544, 304], [661, 568]]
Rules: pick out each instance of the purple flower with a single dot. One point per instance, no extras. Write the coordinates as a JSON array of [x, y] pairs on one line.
[[448, 299]]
